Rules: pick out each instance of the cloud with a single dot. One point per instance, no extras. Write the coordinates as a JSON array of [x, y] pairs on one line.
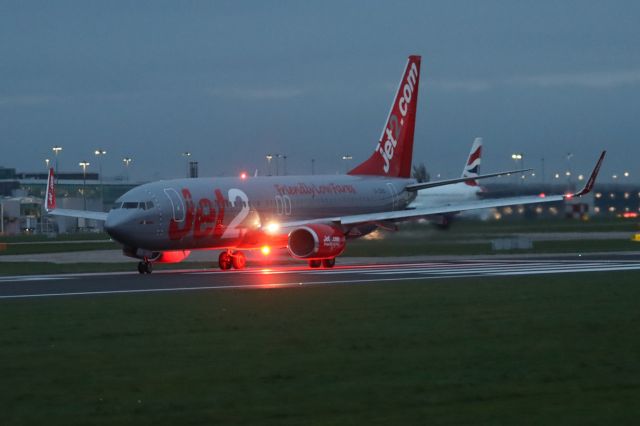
[[27, 100], [588, 80], [460, 85], [279, 93], [593, 80]]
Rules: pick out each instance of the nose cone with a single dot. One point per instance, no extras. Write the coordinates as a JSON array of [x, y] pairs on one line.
[[115, 225]]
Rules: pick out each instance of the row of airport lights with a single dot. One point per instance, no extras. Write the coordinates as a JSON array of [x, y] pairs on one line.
[[99, 153], [518, 157]]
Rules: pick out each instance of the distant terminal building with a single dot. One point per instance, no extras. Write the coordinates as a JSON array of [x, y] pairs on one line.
[[22, 195], [22, 199]]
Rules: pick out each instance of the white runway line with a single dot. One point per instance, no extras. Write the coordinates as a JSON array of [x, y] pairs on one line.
[[417, 273]]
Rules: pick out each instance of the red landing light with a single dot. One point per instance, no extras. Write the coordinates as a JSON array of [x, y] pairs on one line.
[[542, 195], [629, 215], [243, 175], [568, 196]]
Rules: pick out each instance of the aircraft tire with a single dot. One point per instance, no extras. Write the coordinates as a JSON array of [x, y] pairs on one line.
[[315, 263], [239, 260], [224, 261], [329, 263]]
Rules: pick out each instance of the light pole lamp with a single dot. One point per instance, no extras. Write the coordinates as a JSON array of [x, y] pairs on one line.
[[84, 165]]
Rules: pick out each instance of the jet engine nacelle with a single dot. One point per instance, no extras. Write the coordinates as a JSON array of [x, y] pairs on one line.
[[316, 241], [171, 256]]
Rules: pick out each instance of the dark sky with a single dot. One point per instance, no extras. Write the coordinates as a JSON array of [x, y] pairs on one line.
[[233, 81]]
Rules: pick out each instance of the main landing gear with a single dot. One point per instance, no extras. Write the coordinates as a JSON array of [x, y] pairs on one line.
[[235, 259], [145, 267], [327, 263]]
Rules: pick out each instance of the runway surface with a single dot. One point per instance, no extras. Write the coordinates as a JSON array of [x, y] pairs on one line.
[[39, 286]]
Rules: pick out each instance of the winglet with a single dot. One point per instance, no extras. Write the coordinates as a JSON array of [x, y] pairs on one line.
[[51, 192], [592, 179]]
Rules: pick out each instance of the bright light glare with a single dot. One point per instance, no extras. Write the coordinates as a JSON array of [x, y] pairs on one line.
[[272, 227], [265, 250], [243, 175]]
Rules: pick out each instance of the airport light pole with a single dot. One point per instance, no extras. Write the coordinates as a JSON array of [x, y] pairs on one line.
[[186, 155], [346, 158], [127, 161], [568, 172], [269, 157], [100, 153], [84, 165], [278, 164], [56, 150], [518, 157]]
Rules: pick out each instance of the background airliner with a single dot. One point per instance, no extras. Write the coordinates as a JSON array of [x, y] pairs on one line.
[[311, 216], [455, 193]]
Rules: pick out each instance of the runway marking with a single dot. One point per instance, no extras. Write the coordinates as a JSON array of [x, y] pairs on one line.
[[32, 278], [414, 272]]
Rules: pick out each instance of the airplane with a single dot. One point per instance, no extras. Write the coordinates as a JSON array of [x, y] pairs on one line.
[[454, 193], [311, 216]]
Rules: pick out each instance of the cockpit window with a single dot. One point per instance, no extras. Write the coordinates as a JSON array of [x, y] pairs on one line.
[[144, 205]]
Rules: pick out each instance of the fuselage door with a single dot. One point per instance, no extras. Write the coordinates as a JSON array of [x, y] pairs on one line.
[[177, 205], [279, 205]]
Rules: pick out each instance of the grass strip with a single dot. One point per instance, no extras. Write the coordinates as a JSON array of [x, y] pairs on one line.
[[558, 349]]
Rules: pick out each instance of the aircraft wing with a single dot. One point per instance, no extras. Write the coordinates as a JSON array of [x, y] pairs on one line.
[[53, 210], [87, 214], [400, 215]]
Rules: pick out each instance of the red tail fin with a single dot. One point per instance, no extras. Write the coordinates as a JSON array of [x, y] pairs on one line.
[[394, 152], [51, 192]]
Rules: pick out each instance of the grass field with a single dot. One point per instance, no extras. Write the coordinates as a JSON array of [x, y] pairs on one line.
[[557, 349]]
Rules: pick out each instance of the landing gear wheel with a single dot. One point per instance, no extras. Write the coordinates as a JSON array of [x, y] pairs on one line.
[[329, 263], [224, 261], [238, 260], [315, 263], [145, 267]]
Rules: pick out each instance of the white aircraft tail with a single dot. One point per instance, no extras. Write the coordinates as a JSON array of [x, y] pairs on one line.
[[472, 166]]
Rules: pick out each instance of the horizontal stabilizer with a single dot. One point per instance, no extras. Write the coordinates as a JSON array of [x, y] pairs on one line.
[[424, 185]]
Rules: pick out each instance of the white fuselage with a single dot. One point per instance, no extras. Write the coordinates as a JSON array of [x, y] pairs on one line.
[[445, 195]]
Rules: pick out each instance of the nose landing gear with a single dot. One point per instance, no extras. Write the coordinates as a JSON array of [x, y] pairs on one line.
[[145, 267]]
